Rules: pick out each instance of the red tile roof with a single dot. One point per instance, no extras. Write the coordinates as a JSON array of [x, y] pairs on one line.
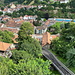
[[46, 39], [12, 23], [5, 9], [4, 46], [10, 29], [20, 22]]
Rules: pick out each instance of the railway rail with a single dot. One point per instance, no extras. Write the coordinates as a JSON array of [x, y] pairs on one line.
[[57, 64]]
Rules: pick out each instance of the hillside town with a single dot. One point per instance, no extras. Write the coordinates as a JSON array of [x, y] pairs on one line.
[[13, 25], [37, 34]]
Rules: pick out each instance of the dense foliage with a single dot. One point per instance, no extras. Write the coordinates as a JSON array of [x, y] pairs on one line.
[[26, 42], [19, 54], [26, 29], [52, 10], [25, 11], [64, 46], [26, 60], [6, 36], [1, 13], [26, 1], [31, 46], [31, 67], [56, 28]]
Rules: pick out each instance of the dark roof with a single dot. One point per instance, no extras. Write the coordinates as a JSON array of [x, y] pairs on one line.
[[41, 27]]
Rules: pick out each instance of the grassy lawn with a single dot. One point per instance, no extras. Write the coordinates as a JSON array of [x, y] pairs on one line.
[[64, 61], [57, 24], [56, 28]]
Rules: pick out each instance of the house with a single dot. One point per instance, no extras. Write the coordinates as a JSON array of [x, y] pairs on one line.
[[52, 21], [44, 26], [16, 19], [14, 30], [40, 6], [38, 37], [5, 10], [29, 17], [40, 29], [25, 17], [62, 1], [47, 23], [2, 25], [10, 10], [12, 6], [5, 49], [6, 18], [47, 38], [20, 22], [11, 23]]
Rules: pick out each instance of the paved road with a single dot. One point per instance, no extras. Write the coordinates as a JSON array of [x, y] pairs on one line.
[[58, 65]]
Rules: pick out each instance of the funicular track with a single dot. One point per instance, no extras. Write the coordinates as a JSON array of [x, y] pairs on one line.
[[57, 64]]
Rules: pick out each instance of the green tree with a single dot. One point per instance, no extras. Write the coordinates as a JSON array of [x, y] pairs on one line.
[[6, 36], [25, 30], [32, 67], [1, 13], [55, 29], [25, 67], [36, 23], [3, 71], [17, 55], [31, 46], [9, 14], [72, 4], [26, 42], [8, 6], [66, 41], [71, 57], [2, 8]]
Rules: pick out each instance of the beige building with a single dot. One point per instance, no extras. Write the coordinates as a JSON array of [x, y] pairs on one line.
[[12, 6], [62, 1]]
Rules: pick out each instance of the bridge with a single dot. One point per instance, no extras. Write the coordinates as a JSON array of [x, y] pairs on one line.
[[57, 64]]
